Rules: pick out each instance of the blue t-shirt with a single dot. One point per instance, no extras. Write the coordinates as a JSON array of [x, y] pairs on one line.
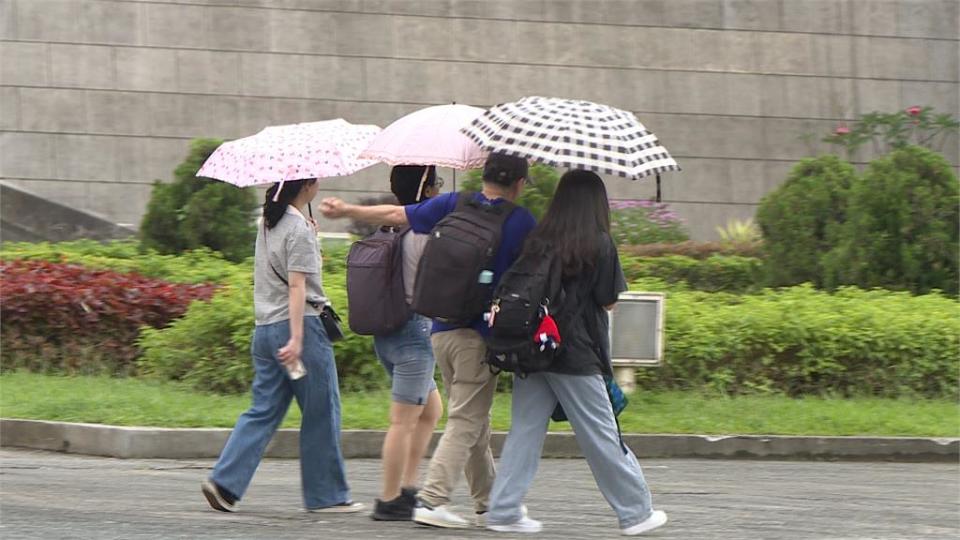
[[423, 217]]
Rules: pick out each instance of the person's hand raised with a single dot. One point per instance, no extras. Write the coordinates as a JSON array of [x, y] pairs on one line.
[[333, 208]]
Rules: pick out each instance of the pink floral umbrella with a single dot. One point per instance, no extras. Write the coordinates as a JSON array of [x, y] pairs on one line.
[[291, 152], [429, 136]]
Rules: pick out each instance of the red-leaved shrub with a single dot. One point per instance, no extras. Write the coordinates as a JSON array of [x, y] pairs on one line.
[[68, 318]]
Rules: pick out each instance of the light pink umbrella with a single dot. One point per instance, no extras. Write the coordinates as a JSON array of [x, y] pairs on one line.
[[429, 136], [291, 152]]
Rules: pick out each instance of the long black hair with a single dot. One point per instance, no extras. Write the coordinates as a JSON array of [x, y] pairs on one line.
[[573, 225], [273, 210]]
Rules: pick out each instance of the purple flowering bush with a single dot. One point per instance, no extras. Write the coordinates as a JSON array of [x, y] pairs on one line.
[[636, 222]]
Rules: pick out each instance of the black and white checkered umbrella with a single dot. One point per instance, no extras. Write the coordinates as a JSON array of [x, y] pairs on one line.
[[572, 134]]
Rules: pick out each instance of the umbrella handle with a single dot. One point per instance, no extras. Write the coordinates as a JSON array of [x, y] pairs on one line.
[[658, 187]]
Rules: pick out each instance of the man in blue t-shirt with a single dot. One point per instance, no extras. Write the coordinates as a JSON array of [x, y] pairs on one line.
[[460, 351]]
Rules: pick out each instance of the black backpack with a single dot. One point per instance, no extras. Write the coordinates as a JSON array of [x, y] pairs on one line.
[[454, 275], [530, 289], [375, 293]]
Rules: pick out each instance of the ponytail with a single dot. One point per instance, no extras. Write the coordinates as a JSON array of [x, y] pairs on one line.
[[273, 211]]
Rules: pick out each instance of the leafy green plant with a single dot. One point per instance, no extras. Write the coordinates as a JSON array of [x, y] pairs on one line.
[[916, 125], [737, 232], [801, 220], [802, 341], [194, 212], [902, 226], [726, 273], [797, 341], [696, 250], [209, 347], [634, 222]]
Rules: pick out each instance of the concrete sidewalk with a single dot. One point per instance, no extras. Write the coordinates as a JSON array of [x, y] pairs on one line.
[[142, 442], [52, 496]]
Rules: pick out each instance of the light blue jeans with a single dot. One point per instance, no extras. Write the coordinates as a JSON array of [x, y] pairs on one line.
[[322, 473], [584, 399], [408, 358]]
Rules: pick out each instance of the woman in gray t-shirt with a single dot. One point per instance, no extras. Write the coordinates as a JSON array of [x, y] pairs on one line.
[[288, 295]]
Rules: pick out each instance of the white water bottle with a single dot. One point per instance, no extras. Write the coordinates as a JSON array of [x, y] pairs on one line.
[[297, 371]]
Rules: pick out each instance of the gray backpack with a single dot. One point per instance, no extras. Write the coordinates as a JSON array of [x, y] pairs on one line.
[[375, 295]]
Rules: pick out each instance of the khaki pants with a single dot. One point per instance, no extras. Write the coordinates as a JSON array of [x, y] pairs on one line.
[[465, 444]]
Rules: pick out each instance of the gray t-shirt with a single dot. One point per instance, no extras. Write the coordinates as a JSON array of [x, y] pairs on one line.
[[412, 244], [290, 246]]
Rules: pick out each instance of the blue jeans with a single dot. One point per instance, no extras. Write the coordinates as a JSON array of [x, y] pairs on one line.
[[322, 473], [585, 400], [408, 358]]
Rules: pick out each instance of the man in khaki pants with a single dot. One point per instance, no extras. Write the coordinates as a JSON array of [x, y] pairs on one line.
[[459, 349]]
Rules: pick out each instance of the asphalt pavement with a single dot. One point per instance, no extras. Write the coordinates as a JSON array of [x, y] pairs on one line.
[[52, 495]]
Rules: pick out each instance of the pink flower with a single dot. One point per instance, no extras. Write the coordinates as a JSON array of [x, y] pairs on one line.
[[914, 111], [842, 129]]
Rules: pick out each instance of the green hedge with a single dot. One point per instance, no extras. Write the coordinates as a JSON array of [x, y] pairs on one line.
[[209, 347], [795, 341], [801, 341], [201, 265], [728, 273]]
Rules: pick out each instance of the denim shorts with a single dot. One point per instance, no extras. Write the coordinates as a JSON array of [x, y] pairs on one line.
[[408, 357]]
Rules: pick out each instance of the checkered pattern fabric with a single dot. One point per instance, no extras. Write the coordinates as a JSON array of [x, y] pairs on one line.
[[572, 134]]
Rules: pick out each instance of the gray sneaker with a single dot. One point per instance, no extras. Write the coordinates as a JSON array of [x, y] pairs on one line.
[[218, 498]]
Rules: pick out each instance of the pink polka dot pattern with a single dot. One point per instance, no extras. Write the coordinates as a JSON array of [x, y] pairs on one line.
[[292, 152]]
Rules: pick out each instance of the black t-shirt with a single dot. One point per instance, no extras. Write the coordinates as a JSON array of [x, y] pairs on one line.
[[584, 326]]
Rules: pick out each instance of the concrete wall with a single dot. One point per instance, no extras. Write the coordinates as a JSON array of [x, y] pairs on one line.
[[24, 217], [100, 97]]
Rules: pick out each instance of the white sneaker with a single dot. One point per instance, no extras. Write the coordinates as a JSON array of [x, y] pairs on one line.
[[481, 518], [440, 516], [657, 519], [525, 525]]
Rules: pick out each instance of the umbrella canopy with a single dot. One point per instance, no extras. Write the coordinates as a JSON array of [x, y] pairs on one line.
[[429, 136], [291, 152], [573, 134]]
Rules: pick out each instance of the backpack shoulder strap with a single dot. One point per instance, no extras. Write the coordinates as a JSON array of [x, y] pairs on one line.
[[463, 199]]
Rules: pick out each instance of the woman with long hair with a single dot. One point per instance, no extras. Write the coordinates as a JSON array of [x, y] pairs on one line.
[[407, 356], [289, 339], [576, 230]]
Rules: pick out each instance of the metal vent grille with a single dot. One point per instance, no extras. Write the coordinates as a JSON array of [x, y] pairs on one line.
[[636, 329]]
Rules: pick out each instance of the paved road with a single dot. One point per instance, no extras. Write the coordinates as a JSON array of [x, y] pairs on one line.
[[49, 495]]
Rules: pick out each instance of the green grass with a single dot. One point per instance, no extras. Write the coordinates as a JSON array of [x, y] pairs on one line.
[[134, 402]]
